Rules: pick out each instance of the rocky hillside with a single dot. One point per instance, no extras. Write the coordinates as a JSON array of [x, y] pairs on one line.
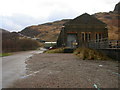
[[3, 31], [46, 32], [50, 31], [8, 35], [112, 20], [117, 8]]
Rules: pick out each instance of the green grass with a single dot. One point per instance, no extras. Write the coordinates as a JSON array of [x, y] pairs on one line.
[[90, 54], [5, 54]]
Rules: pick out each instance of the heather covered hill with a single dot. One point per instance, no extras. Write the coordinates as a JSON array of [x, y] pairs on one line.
[[46, 32], [12, 43], [3, 31], [50, 31], [112, 20], [8, 35]]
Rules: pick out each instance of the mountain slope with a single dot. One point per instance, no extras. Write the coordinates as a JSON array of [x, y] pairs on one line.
[[117, 8], [3, 31], [46, 32], [50, 31], [112, 20]]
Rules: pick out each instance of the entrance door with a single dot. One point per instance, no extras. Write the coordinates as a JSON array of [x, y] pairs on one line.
[[71, 39]]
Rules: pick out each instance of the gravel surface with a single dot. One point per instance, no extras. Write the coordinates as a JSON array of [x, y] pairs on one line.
[[68, 71]]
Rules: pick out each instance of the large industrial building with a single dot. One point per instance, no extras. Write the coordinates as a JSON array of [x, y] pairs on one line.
[[81, 30]]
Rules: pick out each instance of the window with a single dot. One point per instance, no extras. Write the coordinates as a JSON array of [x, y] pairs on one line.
[[83, 37], [89, 37], [100, 37], [97, 37], [86, 36]]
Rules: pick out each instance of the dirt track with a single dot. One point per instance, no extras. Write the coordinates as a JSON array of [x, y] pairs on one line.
[[68, 71]]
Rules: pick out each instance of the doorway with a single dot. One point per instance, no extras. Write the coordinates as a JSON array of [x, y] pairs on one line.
[[71, 40]]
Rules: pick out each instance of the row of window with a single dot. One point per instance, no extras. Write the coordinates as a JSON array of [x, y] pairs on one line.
[[87, 36]]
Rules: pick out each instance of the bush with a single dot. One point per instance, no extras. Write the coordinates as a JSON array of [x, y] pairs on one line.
[[5, 54], [28, 44], [12, 45], [90, 54]]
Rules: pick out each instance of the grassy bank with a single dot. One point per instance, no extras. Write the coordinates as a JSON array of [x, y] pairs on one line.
[[90, 54], [5, 54], [15, 45]]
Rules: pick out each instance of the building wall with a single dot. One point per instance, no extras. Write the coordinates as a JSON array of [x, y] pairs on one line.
[[80, 27]]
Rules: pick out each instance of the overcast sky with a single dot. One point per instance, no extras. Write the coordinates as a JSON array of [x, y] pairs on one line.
[[15, 15]]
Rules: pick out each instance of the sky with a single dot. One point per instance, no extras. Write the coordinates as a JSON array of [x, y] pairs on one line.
[[15, 15]]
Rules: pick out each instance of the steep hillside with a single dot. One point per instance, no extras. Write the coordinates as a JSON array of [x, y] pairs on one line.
[[112, 20], [3, 31], [117, 8], [50, 31], [11, 42], [8, 35], [46, 32]]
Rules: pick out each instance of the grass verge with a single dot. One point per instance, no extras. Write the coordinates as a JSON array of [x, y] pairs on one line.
[[5, 54]]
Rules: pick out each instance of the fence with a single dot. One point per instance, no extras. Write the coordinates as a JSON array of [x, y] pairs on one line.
[[104, 44]]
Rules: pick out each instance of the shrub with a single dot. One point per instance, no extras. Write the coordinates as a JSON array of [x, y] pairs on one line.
[[90, 54], [12, 45], [5, 54]]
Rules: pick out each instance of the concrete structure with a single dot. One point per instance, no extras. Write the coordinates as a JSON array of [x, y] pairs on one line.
[[79, 31]]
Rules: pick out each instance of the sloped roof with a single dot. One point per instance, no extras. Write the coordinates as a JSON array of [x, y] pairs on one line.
[[85, 19]]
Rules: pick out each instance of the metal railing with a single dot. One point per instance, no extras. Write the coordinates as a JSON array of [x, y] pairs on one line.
[[104, 44]]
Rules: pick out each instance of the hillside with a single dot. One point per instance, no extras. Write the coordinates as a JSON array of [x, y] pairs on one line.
[[3, 31], [11, 42], [46, 32], [112, 20], [50, 31], [117, 8], [8, 35]]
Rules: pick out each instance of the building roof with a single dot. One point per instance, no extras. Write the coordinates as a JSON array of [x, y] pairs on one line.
[[85, 19]]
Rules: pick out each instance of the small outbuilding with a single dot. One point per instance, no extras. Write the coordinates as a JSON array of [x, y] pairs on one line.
[[79, 31]]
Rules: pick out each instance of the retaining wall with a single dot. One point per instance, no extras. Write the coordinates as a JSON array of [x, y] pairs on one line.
[[113, 53]]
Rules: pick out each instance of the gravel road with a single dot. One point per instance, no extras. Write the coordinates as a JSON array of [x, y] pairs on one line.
[[68, 71], [13, 67]]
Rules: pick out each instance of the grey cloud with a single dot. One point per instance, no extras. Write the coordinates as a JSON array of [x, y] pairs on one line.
[[18, 22]]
